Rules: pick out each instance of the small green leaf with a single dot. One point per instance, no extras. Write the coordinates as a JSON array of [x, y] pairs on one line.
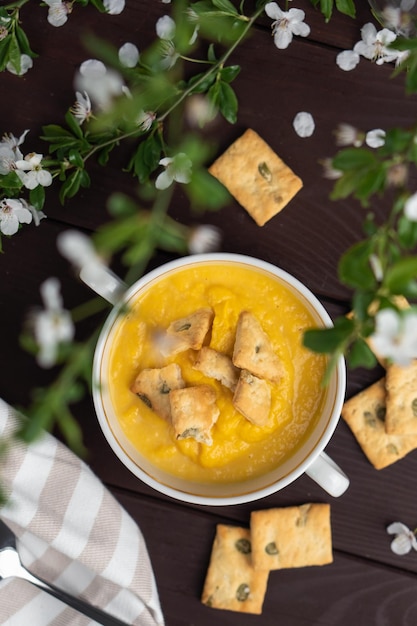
[[401, 276], [75, 158], [37, 197], [354, 268], [329, 340], [229, 73], [224, 98], [360, 355], [347, 7], [225, 5], [353, 158]]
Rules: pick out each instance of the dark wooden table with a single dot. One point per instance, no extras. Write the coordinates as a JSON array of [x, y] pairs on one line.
[[367, 584]]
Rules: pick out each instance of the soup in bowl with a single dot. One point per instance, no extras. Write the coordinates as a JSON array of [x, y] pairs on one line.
[[268, 418]]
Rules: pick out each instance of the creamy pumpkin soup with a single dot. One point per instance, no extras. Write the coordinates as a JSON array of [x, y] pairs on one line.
[[237, 447]]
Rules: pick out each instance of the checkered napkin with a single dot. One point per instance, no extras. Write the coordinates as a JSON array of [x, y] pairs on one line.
[[73, 533]]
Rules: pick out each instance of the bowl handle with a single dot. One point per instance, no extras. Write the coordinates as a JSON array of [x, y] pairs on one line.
[[328, 475], [103, 281]]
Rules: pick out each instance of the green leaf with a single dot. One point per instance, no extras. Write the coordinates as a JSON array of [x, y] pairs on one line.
[[400, 278], [354, 268], [353, 159], [225, 5], [326, 7], [73, 125], [201, 82], [146, 158], [229, 73], [120, 205], [407, 232], [75, 158], [206, 192], [224, 98], [360, 355], [347, 7], [72, 184], [37, 197], [329, 340]]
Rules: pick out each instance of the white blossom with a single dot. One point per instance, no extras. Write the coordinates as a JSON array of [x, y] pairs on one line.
[[165, 28], [10, 151], [37, 214], [53, 325], [347, 60], [169, 55], [100, 83], [81, 109], [7, 160], [177, 168], [204, 238], [129, 55], [404, 539], [26, 64], [395, 336], [304, 124], [58, 12], [348, 135], [410, 207], [145, 120], [375, 138], [78, 249], [374, 44], [31, 173], [114, 7], [13, 213], [286, 24]]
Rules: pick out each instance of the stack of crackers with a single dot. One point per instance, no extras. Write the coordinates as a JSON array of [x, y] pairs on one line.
[[279, 538], [248, 373], [383, 417], [256, 177]]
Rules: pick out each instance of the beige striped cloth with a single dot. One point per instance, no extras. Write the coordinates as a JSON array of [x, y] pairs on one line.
[[73, 533]]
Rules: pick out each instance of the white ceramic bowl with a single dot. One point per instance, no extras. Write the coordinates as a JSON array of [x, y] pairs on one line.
[[308, 458]]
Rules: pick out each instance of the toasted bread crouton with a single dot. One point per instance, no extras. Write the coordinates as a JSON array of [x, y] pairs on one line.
[[252, 398], [189, 332], [194, 411], [253, 351], [153, 386], [217, 365]]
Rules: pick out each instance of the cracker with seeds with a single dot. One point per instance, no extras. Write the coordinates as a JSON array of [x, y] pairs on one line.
[[365, 414], [217, 365], [257, 178], [401, 386], [231, 582], [252, 398], [253, 350], [194, 412], [296, 536], [188, 332], [153, 386]]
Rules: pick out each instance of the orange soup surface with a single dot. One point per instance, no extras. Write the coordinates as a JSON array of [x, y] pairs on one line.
[[240, 450]]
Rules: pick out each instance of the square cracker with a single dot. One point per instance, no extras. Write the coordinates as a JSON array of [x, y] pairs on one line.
[[188, 332], [252, 398], [296, 536], [365, 414], [255, 175], [253, 350], [401, 386], [153, 386], [194, 412], [217, 365], [231, 582]]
